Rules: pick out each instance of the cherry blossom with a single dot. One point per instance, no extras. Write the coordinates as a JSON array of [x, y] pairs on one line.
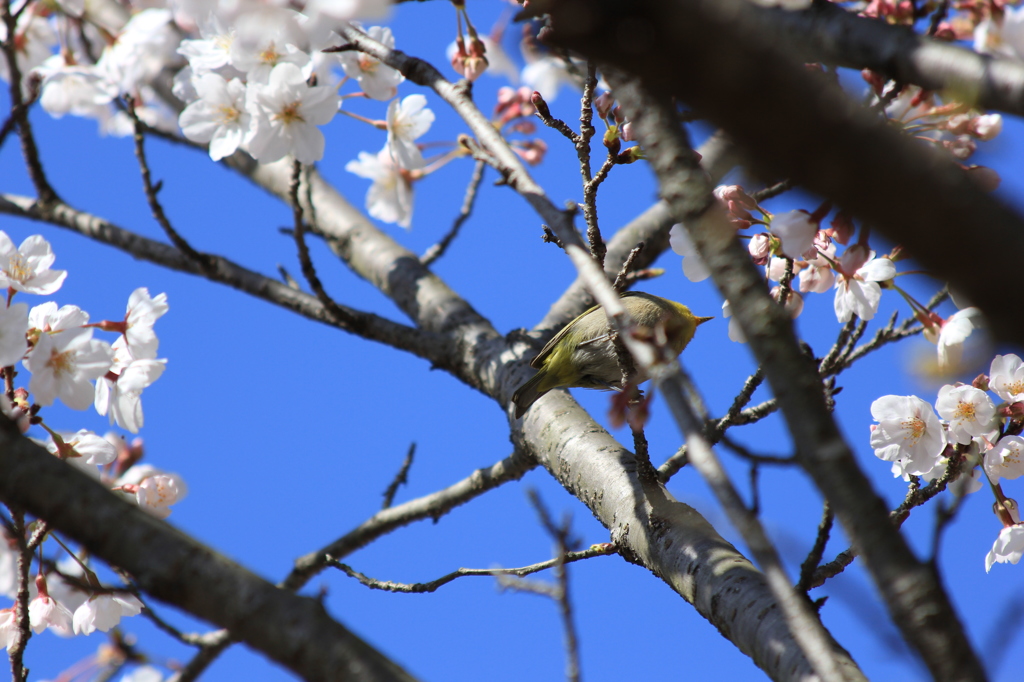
[[286, 112], [796, 231], [546, 75], [953, 334], [390, 196], [735, 333], [63, 365], [407, 121], [267, 37], [144, 47], [120, 395], [8, 568], [693, 266], [378, 81], [46, 317], [27, 268], [144, 673], [1002, 37], [218, 116], [46, 612], [8, 628], [104, 611], [857, 289], [158, 492], [35, 39], [13, 325], [351, 9], [80, 90], [1008, 547], [213, 51], [1006, 378], [142, 313], [969, 410], [818, 277], [1005, 459], [908, 432], [86, 445]]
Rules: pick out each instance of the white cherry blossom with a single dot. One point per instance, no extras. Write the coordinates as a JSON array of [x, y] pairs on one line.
[[104, 611], [119, 393], [80, 89], [47, 317], [64, 364], [378, 81], [857, 289], [969, 410], [35, 40], [908, 432], [144, 47], [1008, 547], [218, 115], [87, 446], [46, 612], [407, 121], [1006, 378], [953, 335], [693, 266], [390, 196], [8, 628], [27, 267], [142, 313], [795, 230], [1005, 459], [157, 493], [286, 112]]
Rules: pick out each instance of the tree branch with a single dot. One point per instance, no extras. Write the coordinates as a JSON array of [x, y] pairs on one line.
[[294, 631]]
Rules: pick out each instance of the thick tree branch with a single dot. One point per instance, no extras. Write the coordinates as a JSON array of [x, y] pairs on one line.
[[224, 271], [294, 631], [717, 54], [916, 600]]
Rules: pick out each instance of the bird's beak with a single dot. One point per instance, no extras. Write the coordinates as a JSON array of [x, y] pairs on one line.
[[702, 320]]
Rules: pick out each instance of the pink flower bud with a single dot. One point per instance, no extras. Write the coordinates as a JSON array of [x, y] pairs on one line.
[[987, 126], [627, 132], [604, 103], [841, 228], [962, 147], [760, 247], [854, 258], [532, 152]]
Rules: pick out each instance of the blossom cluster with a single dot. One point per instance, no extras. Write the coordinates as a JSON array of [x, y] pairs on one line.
[[973, 439], [66, 362], [802, 256], [253, 76]]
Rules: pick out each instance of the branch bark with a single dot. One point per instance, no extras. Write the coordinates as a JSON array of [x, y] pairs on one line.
[[294, 631]]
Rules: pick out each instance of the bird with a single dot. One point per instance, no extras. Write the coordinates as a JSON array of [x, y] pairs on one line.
[[583, 355]]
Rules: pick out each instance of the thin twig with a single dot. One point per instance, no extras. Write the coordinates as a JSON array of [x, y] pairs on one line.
[[19, 105], [151, 190], [560, 534], [772, 191], [305, 261], [432, 506], [809, 565], [401, 478], [622, 278], [434, 585], [438, 249]]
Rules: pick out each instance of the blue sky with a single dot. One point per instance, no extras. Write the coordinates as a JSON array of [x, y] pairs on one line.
[[288, 432]]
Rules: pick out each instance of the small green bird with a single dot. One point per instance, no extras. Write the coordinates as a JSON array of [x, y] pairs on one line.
[[583, 355]]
